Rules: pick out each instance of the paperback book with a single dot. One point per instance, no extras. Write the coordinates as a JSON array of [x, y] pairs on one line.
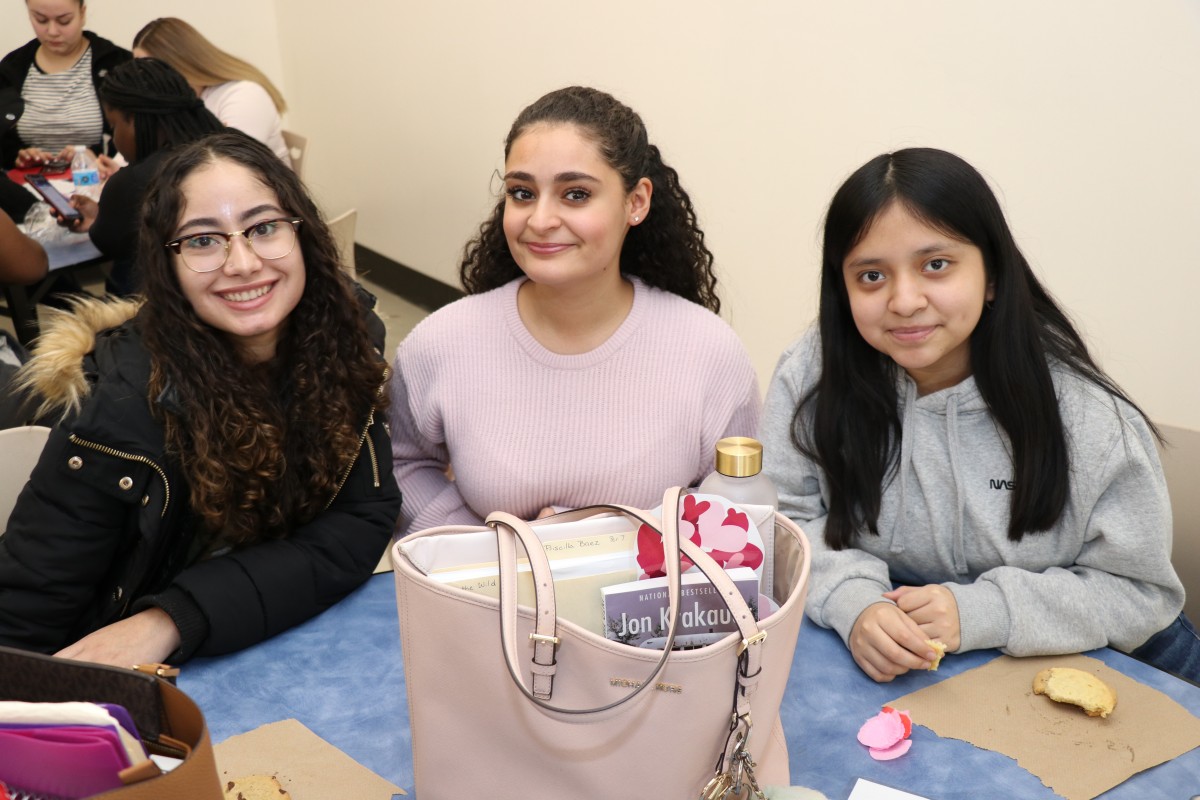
[[638, 613]]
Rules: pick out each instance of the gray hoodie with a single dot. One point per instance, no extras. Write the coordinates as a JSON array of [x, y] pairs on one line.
[[1101, 576]]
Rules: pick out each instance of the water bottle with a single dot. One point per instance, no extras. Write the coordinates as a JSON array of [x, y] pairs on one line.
[[85, 172], [739, 479], [738, 476]]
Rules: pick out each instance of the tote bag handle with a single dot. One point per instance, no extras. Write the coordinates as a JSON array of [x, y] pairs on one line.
[[543, 665]]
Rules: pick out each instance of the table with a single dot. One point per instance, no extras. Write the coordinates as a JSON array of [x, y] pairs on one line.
[[342, 675]]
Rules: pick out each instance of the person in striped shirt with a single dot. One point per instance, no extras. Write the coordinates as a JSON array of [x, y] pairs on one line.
[[50, 86]]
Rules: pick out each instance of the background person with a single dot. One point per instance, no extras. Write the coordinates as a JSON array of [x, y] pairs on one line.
[[52, 85], [15, 200], [237, 92], [22, 261], [221, 472], [587, 364], [944, 428], [151, 110]]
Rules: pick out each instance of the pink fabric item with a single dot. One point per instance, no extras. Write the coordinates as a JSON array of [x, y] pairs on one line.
[[881, 730], [526, 428], [895, 751], [886, 734]]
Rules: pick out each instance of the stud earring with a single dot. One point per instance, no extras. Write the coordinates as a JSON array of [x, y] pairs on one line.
[[637, 219]]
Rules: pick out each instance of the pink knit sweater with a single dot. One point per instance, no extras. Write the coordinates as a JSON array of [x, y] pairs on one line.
[[526, 428]]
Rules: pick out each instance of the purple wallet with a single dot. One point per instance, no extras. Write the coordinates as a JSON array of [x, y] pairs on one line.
[[61, 760]]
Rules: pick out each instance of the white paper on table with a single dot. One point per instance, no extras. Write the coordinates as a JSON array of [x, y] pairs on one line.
[[868, 790]]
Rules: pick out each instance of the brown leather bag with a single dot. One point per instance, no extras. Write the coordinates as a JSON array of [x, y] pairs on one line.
[[167, 719], [507, 700]]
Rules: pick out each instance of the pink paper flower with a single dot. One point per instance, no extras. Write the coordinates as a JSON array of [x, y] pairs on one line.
[[885, 735], [720, 531]]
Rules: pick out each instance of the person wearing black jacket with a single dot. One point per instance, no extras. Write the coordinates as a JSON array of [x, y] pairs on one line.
[[221, 471], [61, 42]]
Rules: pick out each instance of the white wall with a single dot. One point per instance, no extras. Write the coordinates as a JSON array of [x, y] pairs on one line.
[[1083, 113]]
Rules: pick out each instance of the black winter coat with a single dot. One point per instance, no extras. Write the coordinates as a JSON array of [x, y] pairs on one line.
[[103, 529]]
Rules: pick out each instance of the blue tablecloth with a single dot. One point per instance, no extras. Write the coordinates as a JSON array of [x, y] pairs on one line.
[[341, 674]]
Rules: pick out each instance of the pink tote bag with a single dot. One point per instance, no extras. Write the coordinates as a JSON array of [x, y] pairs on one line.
[[511, 701]]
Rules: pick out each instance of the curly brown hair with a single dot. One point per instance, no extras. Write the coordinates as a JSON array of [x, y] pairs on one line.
[[666, 251], [264, 447]]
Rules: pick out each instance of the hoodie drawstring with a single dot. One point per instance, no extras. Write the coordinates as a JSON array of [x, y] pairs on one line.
[[960, 496], [895, 543]]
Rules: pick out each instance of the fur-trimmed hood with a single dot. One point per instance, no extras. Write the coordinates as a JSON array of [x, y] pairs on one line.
[[55, 376]]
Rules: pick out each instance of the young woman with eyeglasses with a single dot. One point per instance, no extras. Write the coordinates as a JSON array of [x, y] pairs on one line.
[[220, 471], [964, 469], [587, 364]]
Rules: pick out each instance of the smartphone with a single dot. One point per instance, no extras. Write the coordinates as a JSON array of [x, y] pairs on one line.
[[53, 197], [55, 166]]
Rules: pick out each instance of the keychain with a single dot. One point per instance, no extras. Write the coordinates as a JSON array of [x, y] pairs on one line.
[[738, 781]]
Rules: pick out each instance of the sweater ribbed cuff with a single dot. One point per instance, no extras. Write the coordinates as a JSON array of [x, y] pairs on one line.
[[843, 607], [983, 619], [187, 616]]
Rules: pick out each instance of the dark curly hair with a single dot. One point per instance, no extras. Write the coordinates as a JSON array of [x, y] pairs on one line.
[[666, 251], [264, 447]]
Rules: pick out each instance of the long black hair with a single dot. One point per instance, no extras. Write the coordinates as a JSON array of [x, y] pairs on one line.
[[164, 108], [666, 250], [850, 423]]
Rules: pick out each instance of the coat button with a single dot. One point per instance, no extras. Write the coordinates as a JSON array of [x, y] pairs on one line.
[[125, 483], [75, 462], [145, 500], [117, 594]]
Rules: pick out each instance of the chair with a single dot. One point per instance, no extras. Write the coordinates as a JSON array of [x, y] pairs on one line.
[[342, 227], [1181, 465], [21, 448], [297, 145]]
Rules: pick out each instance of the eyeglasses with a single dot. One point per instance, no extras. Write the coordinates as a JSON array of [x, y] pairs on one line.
[[208, 251]]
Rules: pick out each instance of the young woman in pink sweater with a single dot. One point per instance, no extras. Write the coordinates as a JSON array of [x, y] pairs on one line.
[[587, 363]]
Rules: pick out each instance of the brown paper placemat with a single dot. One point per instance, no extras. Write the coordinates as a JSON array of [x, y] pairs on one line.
[[1077, 756], [307, 766]]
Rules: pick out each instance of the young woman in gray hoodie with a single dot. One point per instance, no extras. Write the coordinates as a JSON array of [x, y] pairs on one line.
[[964, 469]]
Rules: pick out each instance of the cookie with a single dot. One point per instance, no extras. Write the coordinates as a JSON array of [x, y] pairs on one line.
[[1074, 686], [255, 787], [940, 649]]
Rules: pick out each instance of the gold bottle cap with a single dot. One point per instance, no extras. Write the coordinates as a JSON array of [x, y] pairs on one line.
[[739, 456]]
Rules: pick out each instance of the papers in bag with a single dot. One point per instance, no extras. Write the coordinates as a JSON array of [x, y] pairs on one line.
[[588, 555], [67, 750], [584, 557]]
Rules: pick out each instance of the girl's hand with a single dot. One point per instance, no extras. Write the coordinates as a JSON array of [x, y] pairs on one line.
[[85, 206], [932, 607], [885, 643], [32, 156], [106, 166], [147, 637]]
